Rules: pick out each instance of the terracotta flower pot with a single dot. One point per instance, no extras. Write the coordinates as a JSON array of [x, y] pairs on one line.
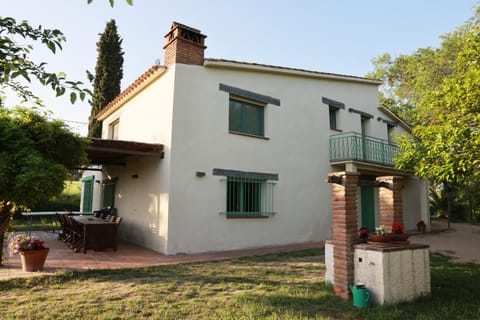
[[375, 238], [399, 237], [33, 260]]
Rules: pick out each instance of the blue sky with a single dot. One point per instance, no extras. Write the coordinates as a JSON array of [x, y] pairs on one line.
[[340, 36]]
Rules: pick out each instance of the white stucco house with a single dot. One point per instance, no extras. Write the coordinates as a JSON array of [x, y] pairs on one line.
[[204, 154]]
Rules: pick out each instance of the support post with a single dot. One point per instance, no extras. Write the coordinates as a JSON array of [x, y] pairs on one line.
[[391, 201], [344, 204]]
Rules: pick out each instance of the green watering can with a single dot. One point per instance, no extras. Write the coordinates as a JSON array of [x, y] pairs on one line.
[[361, 296]]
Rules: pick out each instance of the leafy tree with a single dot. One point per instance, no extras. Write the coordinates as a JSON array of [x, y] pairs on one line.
[[409, 78], [16, 66], [36, 155], [108, 75], [440, 88]]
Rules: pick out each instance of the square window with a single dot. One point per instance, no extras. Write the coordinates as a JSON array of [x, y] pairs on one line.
[[243, 195], [246, 117], [249, 198]]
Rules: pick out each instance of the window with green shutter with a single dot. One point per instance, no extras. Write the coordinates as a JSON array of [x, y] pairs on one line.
[[248, 194], [246, 117], [108, 194]]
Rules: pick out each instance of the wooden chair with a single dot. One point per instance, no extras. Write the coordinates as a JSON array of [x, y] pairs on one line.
[[64, 235]]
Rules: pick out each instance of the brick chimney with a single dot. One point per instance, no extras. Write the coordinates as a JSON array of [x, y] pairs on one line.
[[184, 45]]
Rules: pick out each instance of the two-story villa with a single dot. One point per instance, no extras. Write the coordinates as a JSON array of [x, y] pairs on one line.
[[205, 155]]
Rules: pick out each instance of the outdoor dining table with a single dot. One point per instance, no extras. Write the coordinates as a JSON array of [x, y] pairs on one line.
[[98, 234]]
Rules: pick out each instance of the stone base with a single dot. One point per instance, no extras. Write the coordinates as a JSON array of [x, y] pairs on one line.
[[329, 262], [393, 273]]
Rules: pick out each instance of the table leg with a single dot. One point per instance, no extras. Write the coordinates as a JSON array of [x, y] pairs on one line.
[[29, 223], [84, 239]]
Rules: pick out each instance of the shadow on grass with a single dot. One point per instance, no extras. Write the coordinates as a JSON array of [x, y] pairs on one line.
[[455, 287]]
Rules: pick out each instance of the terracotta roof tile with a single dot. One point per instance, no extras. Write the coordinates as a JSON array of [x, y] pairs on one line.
[[125, 93]]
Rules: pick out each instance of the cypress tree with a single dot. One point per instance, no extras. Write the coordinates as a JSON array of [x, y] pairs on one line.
[[108, 75]]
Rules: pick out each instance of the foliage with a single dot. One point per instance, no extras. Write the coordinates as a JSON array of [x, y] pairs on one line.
[[436, 90], [68, 200], [112, 2], [108, 75], [16, 64], [36, 155], [21, 242], [445, 141]]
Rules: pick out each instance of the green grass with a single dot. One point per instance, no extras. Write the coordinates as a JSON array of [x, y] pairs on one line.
[[277, 286]]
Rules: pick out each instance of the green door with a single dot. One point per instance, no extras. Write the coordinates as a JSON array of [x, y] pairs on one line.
[[368, 208], [87, 193]]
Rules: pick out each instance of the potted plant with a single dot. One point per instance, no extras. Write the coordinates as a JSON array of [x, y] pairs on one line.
[[363, 234], [32, 251], [421, 226], [397, 235], [380, 236]]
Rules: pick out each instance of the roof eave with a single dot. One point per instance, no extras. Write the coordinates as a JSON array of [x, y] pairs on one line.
[[229, 64], [135, 88], [392, 115]]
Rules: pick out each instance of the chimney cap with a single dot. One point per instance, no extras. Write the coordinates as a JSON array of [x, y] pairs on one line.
[[176, 25]]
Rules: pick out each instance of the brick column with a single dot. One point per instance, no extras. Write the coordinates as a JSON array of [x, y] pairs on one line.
[[391, 201], [344, 205]]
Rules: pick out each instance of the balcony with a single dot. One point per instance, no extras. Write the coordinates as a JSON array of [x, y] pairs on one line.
[[352, 146]]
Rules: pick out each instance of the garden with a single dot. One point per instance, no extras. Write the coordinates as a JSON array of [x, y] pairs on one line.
[[276, 286]]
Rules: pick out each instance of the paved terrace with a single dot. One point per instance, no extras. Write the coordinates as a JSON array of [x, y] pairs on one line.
[[462, 242], [62, 258]]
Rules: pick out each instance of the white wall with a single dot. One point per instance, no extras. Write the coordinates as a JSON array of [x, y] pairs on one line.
[[415, 202], [297, 150], [143, 202], [171, 210]]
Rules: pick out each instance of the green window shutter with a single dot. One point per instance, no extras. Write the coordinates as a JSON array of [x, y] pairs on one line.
[[333, 117], [108, 194], [252, 120], [235, 116], [246, 118], [87, 193]]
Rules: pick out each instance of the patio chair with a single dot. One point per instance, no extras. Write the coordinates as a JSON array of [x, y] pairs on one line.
[[66, 234]]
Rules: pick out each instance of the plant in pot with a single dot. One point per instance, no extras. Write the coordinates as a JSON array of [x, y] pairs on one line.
[[380, 236], [421, 226], [397, 235], [363, 234], [32, 251]]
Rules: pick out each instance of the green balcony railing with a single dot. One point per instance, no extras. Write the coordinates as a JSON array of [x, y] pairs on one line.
[[354, 146]]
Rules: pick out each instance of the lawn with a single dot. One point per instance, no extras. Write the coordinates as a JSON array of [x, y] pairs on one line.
[[276, 286]]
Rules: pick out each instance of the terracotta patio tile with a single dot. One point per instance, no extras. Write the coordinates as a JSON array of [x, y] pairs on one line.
[[62, 258]]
